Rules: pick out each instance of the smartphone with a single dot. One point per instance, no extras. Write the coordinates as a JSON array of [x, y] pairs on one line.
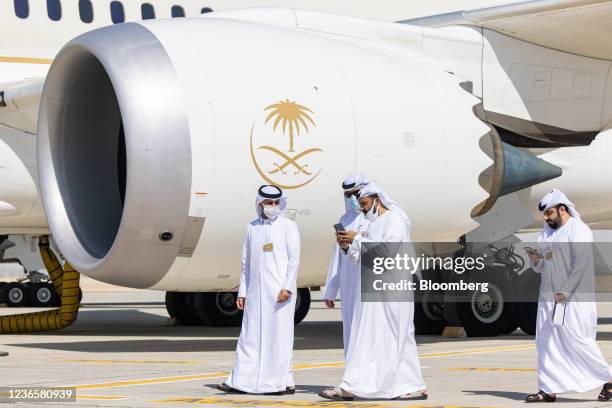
[[533, 251], [339, 227]]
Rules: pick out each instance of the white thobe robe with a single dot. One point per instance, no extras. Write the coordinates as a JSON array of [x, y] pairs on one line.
[[264, 354], [569, 359], [343, 275], [382, 359]]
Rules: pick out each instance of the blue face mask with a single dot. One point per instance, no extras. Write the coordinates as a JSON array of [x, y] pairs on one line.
[[354, 203]]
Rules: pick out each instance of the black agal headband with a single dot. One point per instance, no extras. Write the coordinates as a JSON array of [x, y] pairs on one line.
[[269, 194], [348, 186]]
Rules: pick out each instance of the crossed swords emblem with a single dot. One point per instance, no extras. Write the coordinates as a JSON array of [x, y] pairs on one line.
[[292, 118], [293, 161]]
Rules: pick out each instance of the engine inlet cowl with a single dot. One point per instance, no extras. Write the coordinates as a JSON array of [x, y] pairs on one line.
[[113, 134]]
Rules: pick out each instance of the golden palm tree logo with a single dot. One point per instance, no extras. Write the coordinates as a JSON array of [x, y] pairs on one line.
[[291, 114], [295, 118]]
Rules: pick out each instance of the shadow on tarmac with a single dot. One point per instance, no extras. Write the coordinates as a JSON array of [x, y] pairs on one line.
[[116, 322], [156, 335], [520, 396]]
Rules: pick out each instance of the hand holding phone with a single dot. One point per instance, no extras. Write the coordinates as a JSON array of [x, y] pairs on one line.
[[534, 256]]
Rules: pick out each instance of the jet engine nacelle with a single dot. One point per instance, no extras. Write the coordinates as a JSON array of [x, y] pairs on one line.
[[154, 136]]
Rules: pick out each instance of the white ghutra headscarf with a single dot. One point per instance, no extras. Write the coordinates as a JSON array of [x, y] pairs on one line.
[[270, 192], [351, 182], [556, 197], [373, 188]]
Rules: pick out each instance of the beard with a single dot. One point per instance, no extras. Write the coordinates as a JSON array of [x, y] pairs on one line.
[[554, 223]]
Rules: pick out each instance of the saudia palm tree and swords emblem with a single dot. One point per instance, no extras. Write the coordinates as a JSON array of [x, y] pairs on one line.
[[291, 168]]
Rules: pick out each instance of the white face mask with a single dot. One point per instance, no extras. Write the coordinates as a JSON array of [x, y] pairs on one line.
[[271, 212], [372, 214]]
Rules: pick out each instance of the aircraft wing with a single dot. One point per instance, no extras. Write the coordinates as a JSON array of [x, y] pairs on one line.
[[580, 27], [19, 102]]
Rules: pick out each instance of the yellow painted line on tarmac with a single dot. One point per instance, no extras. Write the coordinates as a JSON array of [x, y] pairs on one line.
[[155, 380], [134, 361], [239, 402], [333, 364], [307, 366], [477, 351], [161, 380], [496, 369], [236, 402], [102, 397]]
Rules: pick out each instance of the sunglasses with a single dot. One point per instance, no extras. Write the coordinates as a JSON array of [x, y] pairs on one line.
[[348, 194]]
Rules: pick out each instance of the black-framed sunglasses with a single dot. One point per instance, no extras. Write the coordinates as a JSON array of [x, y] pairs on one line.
[[348, 194]]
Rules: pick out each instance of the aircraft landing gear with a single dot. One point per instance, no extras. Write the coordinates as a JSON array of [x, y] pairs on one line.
[[180, 307], [219, 308], [42, 294], [15, 294], [490, 313], [528, 283], [302, 304], [510, 302]]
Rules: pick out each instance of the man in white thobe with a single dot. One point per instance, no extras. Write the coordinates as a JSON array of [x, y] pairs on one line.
[[569, 359], [270, 260], [382, 359], [343, 273]]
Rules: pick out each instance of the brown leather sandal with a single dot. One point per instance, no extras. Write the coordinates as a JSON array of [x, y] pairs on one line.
[[541, 396], [230, 390], [333, 394], [288, 391], [413, 396], [606, 392]]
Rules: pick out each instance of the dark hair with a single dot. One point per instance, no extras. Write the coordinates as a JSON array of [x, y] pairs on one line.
[[562, 205]]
